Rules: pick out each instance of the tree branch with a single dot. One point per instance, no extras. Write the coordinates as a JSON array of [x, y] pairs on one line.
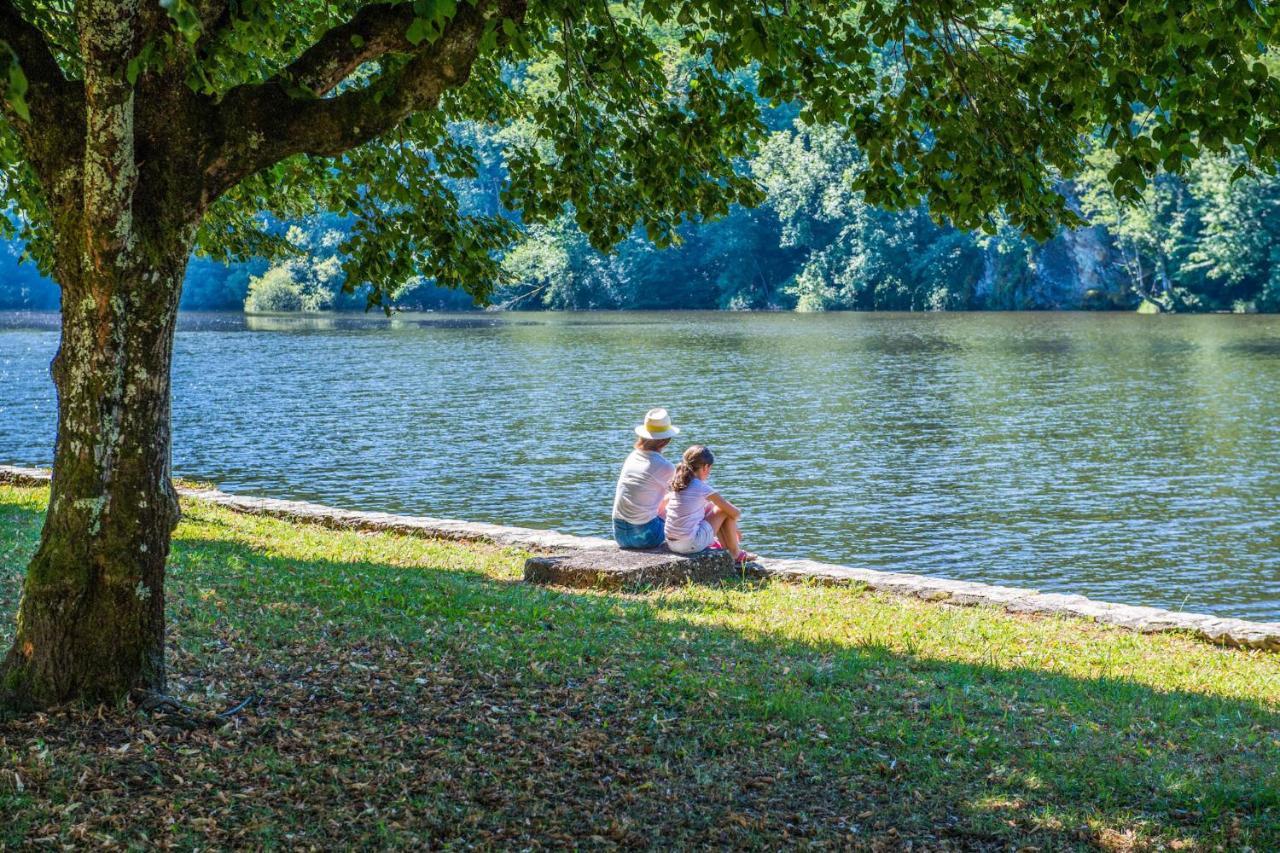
[[26, 40], [374, 31], [54, 102], [265, 123]]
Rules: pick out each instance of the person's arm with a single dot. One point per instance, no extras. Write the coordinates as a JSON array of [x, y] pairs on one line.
[[665, 478], [723, 504]]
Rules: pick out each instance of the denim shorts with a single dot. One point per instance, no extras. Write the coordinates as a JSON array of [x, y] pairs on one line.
[[630, 535]]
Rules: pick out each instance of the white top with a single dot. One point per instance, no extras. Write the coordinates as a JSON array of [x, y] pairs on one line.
[[645, 478], [687, 508]]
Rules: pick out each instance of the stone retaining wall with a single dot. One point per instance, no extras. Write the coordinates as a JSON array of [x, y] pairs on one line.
[[1225, 631]]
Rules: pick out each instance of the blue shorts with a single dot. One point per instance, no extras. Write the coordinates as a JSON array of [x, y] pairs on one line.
[[629, 535]]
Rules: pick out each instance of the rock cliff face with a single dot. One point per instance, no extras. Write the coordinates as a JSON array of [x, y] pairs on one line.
[[1080, 269], [1076, 269]]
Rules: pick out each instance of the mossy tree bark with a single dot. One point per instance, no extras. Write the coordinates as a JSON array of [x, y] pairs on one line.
[[91, 621], [127, 170]]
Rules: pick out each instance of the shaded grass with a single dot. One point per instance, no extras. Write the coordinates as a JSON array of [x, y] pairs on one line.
[[413, 691]]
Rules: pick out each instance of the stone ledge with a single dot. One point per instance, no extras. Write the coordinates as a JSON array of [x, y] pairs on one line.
[[15, 475], [566, 552], [616, 569], [1240, 633], [410, 525]]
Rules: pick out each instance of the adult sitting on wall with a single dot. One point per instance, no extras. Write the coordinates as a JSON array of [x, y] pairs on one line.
[[640, 501]]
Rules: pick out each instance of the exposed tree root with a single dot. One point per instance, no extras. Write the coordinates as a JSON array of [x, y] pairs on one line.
[[178, 713]]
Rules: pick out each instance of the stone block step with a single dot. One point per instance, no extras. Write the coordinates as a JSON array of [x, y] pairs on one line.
[[616, 569]]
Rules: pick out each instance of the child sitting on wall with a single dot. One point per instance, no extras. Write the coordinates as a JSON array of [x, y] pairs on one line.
[[697, 514]]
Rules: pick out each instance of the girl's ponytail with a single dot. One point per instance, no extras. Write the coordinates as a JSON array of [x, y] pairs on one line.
[[694, 460]]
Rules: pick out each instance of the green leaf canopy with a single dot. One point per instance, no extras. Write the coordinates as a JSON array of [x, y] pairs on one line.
[[642, 113]]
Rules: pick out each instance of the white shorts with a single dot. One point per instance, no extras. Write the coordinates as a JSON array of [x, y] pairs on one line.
[[701, 541]]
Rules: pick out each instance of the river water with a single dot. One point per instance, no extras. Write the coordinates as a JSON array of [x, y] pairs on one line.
[[1130, 458]]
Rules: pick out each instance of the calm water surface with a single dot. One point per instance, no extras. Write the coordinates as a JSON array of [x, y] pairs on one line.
[[1131, 458]]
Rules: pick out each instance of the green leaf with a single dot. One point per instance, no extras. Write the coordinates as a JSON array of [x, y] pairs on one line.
[[184, 16], [489, 38], [20, 107], [419, 31], [17, 79], [435, 12], [17, 90]]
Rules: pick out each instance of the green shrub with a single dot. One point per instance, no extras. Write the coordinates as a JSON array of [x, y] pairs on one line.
[[274, 290]]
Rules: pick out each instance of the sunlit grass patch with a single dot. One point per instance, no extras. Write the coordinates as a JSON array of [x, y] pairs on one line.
[[414, 691]]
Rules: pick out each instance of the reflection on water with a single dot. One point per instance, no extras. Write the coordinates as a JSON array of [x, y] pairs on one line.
[[330, 322], [1134, 458]]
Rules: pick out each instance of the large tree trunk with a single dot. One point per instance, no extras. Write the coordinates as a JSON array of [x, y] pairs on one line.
[[91, 621], [127, 171]]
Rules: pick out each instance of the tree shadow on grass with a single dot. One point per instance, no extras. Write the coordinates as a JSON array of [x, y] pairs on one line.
[[404, 704]]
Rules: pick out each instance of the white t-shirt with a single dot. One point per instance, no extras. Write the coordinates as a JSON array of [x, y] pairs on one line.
[[644, 480], [687, 508]]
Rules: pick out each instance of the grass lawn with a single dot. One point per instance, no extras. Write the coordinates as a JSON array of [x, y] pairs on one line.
[[414, 691]]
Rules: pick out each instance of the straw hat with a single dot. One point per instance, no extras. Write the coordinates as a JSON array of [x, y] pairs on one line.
[[657, 425]]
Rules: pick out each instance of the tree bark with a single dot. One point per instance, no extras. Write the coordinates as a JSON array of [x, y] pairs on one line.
[[91, 621]]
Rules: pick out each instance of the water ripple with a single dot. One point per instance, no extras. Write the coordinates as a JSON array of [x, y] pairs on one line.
[[1130, 458]]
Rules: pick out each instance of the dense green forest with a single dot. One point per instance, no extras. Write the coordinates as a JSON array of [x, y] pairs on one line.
[[1207, 243]]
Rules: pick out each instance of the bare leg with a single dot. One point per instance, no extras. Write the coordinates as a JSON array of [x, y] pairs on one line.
[[726, 530], [730, 538], [716, 519]]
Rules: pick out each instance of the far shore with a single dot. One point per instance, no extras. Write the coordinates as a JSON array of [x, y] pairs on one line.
[[495, 310]]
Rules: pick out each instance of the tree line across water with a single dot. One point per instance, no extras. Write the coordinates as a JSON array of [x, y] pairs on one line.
[[1206, 242]]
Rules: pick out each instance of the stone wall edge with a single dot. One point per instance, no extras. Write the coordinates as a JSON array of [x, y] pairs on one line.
[[1239, 633]]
